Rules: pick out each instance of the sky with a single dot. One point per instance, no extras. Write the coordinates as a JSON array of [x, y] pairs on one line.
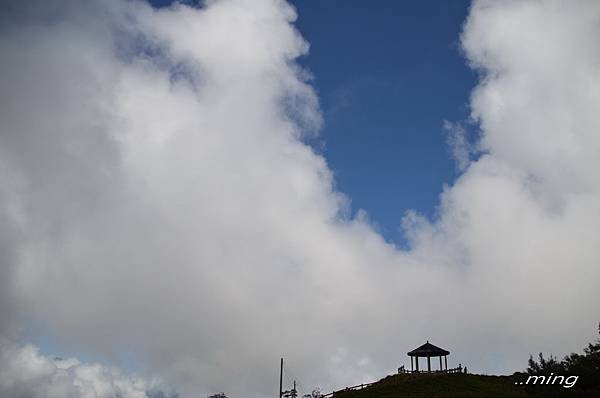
[[403, 75], [190, 192]]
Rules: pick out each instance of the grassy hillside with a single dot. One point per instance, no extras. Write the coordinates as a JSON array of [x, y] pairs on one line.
[[457, 386]]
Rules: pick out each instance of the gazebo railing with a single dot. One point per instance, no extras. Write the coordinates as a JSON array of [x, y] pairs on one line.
[[458, 369]]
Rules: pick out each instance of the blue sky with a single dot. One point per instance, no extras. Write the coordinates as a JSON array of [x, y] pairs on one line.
[[388, 75]]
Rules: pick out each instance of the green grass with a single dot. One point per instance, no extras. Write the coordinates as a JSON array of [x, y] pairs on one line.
[[457, 386]]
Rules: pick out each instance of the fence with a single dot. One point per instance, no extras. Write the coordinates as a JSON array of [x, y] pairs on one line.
[[458, 369], [353, 388]]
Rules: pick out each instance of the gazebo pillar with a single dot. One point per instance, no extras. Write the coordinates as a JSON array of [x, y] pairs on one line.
[[429, 364], [441, 368], [417, 363], [411, 364], [446, 361]]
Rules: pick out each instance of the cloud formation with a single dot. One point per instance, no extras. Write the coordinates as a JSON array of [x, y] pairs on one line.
[[158, 199], [24, 373]]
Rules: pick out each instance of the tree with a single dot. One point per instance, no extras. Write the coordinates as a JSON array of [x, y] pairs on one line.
[[545, 366], [316, 393], [586, 365]]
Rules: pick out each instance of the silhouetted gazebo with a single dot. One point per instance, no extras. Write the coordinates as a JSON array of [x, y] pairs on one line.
[[428, 350]]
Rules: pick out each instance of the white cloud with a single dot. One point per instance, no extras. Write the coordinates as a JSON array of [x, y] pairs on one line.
[[459, 144], [25, 373], [157, 198], [537, 102]]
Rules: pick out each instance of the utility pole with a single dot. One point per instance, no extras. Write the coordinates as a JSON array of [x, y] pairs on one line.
[[281, 379]]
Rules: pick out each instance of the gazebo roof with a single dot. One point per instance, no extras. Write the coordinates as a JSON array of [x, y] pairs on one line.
[[428, 350]]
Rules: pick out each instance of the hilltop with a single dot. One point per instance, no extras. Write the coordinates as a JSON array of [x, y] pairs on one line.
[[458, 386]]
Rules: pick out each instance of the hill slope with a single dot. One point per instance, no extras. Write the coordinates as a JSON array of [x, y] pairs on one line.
[[458, 386]]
